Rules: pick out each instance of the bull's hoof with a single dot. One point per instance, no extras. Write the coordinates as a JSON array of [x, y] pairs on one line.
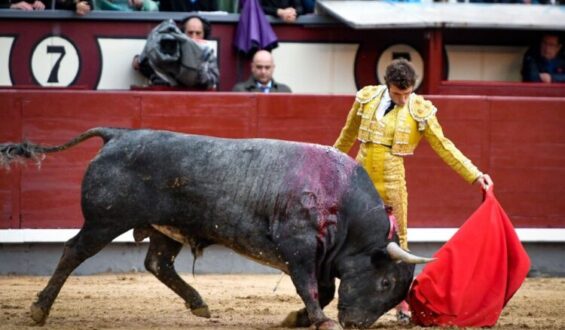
[[326, 325], [201, 312], [38, 314], [296, 319], [290, 320]]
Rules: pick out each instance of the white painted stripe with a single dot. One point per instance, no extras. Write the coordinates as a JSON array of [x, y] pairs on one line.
[[415, 235], [49, 236], [542, 235], [6, 44]]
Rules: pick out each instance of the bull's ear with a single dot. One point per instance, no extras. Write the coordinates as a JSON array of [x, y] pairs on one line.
[[380, 257]]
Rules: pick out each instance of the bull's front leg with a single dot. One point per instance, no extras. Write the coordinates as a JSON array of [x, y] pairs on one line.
[[302, 269], [299, 318]]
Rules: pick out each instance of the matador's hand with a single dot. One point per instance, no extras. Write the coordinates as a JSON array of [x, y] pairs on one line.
[[485, 181]]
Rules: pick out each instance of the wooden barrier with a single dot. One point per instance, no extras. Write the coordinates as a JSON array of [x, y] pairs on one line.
[[519, 141]]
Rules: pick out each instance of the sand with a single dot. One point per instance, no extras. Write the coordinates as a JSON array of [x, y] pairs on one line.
[[140, 301]]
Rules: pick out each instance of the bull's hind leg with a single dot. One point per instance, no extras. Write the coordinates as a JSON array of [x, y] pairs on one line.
[[160, 262], [79, 248]]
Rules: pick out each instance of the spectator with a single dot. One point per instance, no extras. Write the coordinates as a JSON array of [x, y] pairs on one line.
[[498, 1], [126, 5], [261, 80], [80, 7], [197, 28], [22, 5], [174, 57], [188, 6], [545, 62], [287, 10], [308, 6]]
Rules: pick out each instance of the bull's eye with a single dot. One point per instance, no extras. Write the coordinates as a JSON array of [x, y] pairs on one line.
[[385, 284]]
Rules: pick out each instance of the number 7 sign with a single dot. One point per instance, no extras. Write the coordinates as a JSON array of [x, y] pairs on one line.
[[55, 62]]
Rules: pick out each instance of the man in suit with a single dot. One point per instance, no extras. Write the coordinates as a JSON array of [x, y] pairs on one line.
[[261, 80]]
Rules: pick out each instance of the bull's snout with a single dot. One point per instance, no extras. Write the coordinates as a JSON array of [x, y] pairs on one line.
[[356, 319]]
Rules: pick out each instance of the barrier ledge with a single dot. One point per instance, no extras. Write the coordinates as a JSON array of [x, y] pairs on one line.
[[415, 235], [120, 16]]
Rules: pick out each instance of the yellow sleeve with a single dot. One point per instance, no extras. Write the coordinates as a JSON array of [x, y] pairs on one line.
[[447, 151], [350, 131]]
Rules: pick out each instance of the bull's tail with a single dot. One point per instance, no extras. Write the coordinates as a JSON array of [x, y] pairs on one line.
[[19, 152]]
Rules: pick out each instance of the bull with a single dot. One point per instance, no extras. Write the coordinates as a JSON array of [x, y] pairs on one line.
[[305, 209]]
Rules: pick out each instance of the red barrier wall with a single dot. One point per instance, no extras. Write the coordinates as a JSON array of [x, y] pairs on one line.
[[519, 141]]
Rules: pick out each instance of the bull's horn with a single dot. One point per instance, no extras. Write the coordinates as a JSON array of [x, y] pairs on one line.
[[397, 253]]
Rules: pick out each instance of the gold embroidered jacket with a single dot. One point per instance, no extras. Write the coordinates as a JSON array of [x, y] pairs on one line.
[[414, 120]]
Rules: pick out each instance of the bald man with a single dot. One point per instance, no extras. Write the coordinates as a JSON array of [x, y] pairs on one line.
[[261, 80]]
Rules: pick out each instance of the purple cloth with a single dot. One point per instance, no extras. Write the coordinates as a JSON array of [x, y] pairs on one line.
[[254, 30]]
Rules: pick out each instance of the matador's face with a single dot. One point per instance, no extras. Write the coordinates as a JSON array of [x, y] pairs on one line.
[[399, 96]]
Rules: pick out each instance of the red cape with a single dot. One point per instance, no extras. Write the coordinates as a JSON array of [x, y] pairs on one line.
[[476, 272]]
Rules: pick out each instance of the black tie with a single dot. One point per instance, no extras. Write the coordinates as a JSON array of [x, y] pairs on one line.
[[390, 107]]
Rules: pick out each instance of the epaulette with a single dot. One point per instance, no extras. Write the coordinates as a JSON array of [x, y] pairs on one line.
[[421, 109], [368, 93]]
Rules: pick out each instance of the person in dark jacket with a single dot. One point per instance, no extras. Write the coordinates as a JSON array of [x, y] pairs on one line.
[[287, 10], [545, 62], [80, 7], [189, 5], [28, 5], [261, 80]]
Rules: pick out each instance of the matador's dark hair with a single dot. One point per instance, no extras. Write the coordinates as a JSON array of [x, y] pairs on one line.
[[401, 74]]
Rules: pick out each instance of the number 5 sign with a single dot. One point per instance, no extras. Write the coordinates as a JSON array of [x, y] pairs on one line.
[[55, 62]]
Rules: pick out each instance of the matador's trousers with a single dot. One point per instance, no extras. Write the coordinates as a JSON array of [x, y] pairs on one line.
[[387, 173]]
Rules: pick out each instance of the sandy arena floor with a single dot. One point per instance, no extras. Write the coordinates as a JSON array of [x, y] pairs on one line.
[[139, 301]]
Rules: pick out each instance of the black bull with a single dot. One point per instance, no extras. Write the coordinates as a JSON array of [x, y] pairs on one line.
[[305, 209]]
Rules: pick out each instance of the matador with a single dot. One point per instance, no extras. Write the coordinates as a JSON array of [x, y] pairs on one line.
[[389, 121]]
